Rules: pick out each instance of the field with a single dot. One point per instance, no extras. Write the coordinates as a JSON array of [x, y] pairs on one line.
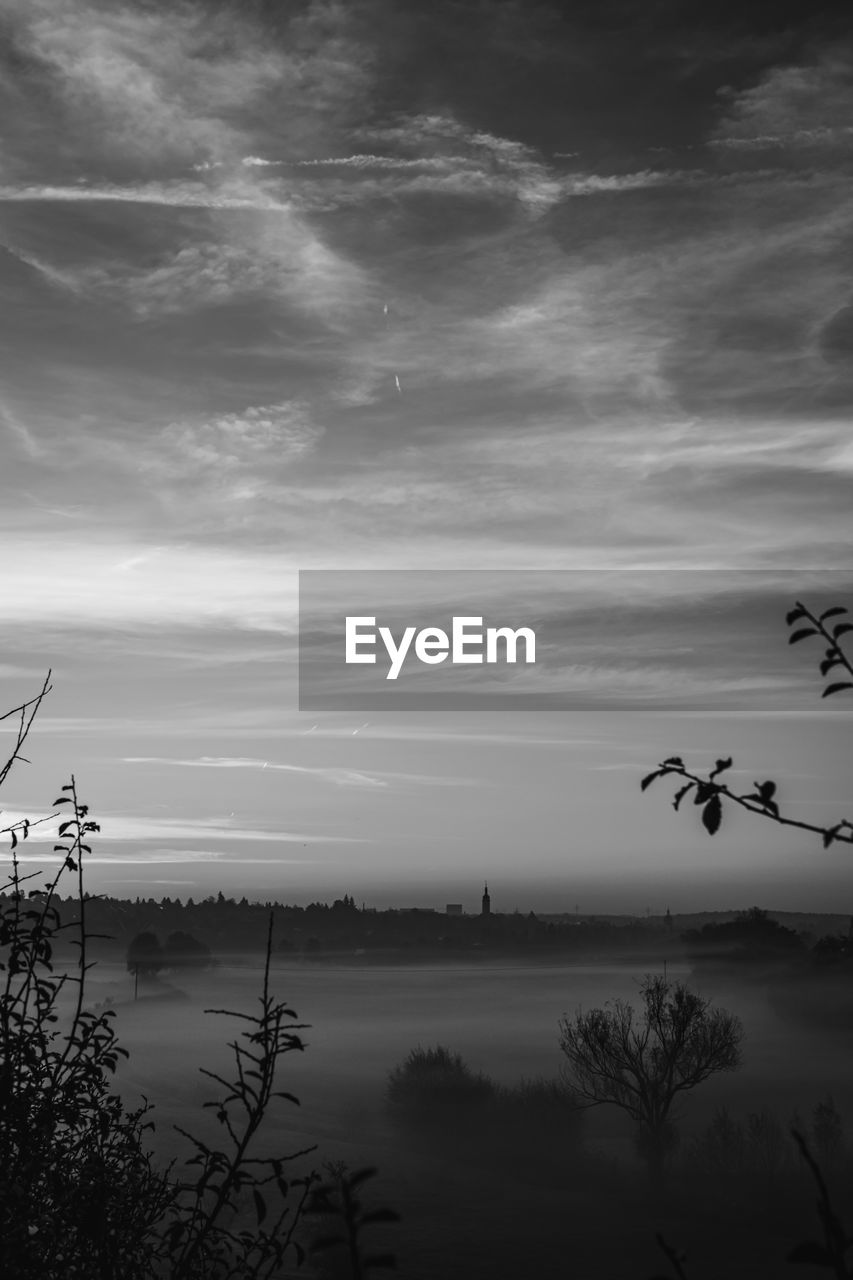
[[487, 1203]]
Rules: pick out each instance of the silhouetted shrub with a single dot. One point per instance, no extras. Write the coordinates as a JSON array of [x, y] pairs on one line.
[[762, 1147], [340, 1245], [79, 1194], [183, 951], [537, 1116], [430, 1079]]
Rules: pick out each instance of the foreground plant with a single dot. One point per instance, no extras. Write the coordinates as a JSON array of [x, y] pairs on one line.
[[711, 794], [80, 1196]]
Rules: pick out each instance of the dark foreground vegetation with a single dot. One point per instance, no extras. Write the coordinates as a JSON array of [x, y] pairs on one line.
[[80, 1194], [537, 1188]]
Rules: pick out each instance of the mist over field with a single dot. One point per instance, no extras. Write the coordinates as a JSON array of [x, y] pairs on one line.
[[480, 1205]]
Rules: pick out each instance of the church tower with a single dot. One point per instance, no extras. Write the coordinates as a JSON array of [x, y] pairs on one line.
[[486, 908]]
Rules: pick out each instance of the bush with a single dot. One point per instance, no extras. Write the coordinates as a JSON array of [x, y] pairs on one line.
[[533, 1125], [537, 1116], [432, 1079], [762, 1147], [80, 1195]]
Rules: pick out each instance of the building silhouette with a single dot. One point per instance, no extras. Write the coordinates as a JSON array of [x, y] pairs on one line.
[[486, 908]]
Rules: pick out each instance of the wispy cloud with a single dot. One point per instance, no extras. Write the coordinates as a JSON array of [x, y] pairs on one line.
[[20, 433], [137, 827], [339, 777], [181, 195], [165, 857], [799, 106], [147, 85]]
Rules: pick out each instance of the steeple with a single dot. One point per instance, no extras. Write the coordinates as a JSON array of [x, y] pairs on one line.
[[486, 908]]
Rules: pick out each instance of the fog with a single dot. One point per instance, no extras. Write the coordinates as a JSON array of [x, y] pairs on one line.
[[503, 1020]]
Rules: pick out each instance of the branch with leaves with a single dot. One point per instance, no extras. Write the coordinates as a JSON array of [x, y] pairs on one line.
[[337, 1201], [199, 1241], [709, 793], [830, 1254]]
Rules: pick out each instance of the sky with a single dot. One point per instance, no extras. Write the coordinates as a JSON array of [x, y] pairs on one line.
[[375, 285]]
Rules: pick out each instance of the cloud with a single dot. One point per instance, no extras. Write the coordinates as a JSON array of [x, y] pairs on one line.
[[167, 857], [439, 164], [275, 256], [479, 162], [178, 84], [794, 107], [339, 777], [178, 194], [254, 440], [23, 437], [137, 827], [83, 580]]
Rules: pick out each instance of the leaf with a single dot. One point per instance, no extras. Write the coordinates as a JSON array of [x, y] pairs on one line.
[[802, 634], [712, 815], [704, 791], [810, 1252], [679, 795], [721, 766], [260, 1205], [832, 613], [676, 761], [649, 779], [841, 629], [836, 688], [795, 615]]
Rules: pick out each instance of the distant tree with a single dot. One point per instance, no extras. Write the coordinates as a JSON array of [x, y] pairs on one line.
[[643, 1063], [183, 951], [145, 955], [753, 936]]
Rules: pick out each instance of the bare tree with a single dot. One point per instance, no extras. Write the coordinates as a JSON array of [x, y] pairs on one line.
[[643, 1063]]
